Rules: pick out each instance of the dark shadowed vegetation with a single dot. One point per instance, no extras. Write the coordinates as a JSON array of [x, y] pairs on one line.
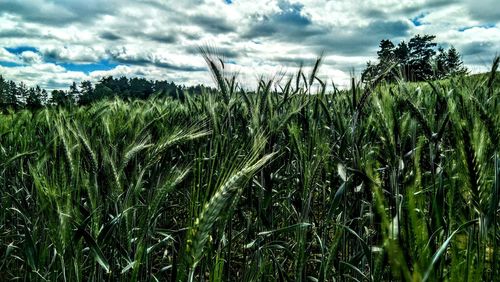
[[416, 60], [17, 96], [381, 182]]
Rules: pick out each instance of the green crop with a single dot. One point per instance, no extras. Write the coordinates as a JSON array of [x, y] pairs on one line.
[[385, 182]]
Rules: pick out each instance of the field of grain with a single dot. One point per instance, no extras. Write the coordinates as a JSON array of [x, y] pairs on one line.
[[380, 182]]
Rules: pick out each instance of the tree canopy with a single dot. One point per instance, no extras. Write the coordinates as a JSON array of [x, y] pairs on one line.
[[416, 60], [17, 96]]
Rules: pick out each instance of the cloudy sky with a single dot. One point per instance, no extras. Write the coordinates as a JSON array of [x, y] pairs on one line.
[[55, 42]]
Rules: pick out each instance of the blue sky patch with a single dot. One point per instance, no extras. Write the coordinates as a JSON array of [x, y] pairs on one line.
[[19, 49], [485, 26], [291, 14], [417, 21], [9, 64], [87, 68], [229, 2]]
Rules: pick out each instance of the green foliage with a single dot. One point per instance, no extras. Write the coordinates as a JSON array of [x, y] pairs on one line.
[[414, 61], [391, 182], [35, 98], [18, 96]]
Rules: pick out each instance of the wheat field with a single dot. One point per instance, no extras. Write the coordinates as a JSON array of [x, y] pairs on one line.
[[290, 182]]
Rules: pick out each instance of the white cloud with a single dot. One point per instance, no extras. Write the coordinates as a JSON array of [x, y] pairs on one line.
[[6, 56], [76, 53], [158, 39], [49, 76], [30, 58]]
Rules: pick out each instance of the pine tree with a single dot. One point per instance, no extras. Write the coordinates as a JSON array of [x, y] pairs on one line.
[[454, 62], [101, 92], [87, 93], [441, 65], [33, 101], [11, 96], [140, 88], [3, 93], [413, 59], [402, 54], [421, 52], [73, 94], [59, 98], [44, 96], [386, 52], [386, 59]]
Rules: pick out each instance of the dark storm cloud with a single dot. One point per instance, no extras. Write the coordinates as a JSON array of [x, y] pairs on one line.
[[291, 25], [162, 38], [52, 55], [339, 40], [261, 29], [479, 54], [224, 52], [166, 5], [373, 13], [175, 67], [58, 12], [388, 28], [19, 32], [427, 5], [358, 40], [27, 12], [192, 36], [135, 61], [108, 35], [122, 57], [214, 25], [476, 48], [409, 11], [484, 10], [289, 22]]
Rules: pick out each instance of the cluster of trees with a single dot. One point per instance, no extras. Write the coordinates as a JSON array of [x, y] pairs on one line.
[[134, 88], [18, 96], [416, 60]]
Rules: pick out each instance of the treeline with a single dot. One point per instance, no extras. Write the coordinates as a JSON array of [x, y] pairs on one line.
[[19, 96], [417, 60]]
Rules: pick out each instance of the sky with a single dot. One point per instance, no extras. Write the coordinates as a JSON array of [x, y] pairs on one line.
[[52, 43]]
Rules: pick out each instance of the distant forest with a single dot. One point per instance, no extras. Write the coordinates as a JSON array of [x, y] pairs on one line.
[[18, 96], [417, 60]]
